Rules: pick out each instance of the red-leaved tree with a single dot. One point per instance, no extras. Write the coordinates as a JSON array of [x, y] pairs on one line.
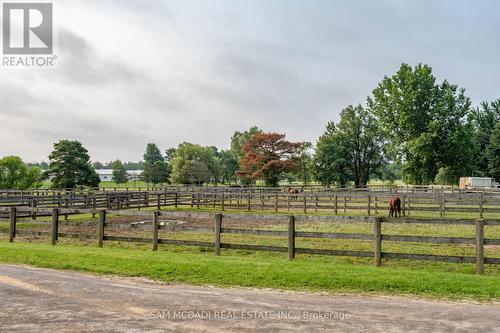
[[268, 156]]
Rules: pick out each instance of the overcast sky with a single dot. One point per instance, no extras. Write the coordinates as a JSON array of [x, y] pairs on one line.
[[132, 72]]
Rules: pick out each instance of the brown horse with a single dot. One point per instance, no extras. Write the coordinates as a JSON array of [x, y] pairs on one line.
[[394, 207], [292, 190]]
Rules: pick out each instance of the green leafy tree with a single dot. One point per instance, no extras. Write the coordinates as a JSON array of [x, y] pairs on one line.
[[16, 175], [352, 150], [192, 152], [426, 123], [484, 118], [156, 170], [304, 164], [134, 165], [239, 139], [329, 165], [70, 166], [41, 165], [195, 172], [446, 176], [119, 172], [493, 153], [389, 172], [97, 165], [170, 154], [229, 166]]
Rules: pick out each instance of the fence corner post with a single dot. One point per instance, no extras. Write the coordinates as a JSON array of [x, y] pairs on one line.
[[102, 223], [480, 246], [155, 230], [377, 241], [217, 230], [13, 221], [291, 237], [54, 226]]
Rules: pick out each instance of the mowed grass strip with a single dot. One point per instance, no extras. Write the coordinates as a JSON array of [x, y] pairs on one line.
[[261, 271]]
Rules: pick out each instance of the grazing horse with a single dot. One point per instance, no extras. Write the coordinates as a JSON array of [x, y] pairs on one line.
[[292, 190], [394, 207]]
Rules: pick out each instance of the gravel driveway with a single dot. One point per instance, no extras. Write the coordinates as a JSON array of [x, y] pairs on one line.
[[45, 300]]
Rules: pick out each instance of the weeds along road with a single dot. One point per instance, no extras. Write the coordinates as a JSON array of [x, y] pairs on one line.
[[45, 300]]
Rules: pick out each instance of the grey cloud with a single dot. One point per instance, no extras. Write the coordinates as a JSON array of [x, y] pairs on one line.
[[208, 68], [80, 63]]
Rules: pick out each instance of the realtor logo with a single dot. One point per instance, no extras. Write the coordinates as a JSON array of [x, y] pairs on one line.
[[27, 28]]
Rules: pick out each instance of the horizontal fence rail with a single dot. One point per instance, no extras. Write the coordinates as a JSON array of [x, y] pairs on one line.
[[331, 201], [218, 229]]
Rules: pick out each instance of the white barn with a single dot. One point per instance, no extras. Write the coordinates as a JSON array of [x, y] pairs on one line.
[[106, 175]]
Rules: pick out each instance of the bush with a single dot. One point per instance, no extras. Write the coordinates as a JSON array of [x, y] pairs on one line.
[[446, 176]]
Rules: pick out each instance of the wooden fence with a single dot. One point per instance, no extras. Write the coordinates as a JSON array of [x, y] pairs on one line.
[[290, 234], [332, 202]]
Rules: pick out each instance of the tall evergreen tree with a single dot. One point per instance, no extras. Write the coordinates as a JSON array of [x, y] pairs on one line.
[[156, 170]]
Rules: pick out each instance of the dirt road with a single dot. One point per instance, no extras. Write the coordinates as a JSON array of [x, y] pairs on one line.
[[44, 300]]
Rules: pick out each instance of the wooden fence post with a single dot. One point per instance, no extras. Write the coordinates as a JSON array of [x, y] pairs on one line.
[[13, 220], [404, 204], [94, 205], [54, 226], [276, 202], [102, 223], [481, 203], [66, 205], [222, 201], [377, 242], [410, 198], [291, 237], [33, 213], [158, 202], [305, 203], [217, 228], [248, 201], [369, 204], [441, 206], [155, 230], [176, 199], [480, 246], [335, 204]]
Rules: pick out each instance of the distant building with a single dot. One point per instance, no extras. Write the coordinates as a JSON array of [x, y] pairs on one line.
[[134, 175], [106, 175]]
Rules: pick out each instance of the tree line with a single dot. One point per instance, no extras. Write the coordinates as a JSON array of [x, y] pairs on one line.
[[411, 127]]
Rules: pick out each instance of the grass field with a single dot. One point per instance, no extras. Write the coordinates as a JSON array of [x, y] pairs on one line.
[[261, 270]]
